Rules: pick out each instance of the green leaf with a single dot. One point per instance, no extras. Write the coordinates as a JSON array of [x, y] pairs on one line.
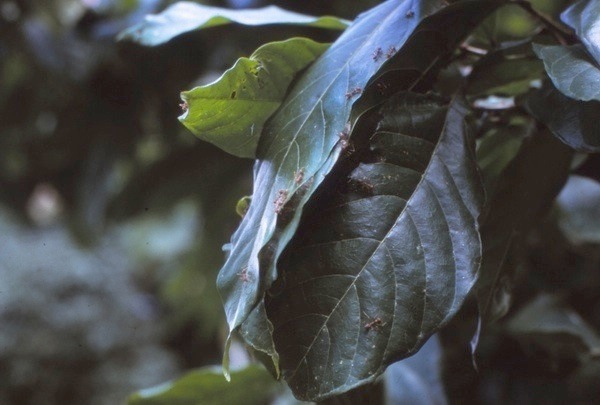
[[573, 122], [498, 75], [206, 386], [184, 16], [572, 70], [387, 256], [584, 18], [524, 193], [231, 111], [498, 148], [549, 323], [300, 144]]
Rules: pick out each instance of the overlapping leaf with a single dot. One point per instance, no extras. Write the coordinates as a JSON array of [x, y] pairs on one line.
[[231, 111], [186, 16], [584, 18], [572, 70], [524, 193], [420, 57], [574, 122], [380, 267], [296, 149]]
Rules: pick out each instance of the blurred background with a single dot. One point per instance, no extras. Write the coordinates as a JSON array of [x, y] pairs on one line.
[[112, 215]]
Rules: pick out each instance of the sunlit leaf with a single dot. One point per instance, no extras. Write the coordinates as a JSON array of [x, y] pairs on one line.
[[186, 16], [231, 111], [385, 261]]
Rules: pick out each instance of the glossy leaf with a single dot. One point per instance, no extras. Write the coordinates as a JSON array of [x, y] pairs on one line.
[[572, 70], [573, 122], [584, 18], [231, 111], [378, 269], [298, 148], [420, 57], [185, 16], [252, 385]]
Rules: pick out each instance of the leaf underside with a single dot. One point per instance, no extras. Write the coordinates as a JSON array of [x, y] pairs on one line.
[[185, 16], [387, 262], [572, 70], [231, 112], [584, 18]]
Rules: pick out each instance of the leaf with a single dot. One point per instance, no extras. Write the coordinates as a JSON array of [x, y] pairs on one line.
[[231, 111], [524, 193], [498, 148], [571, 70], [549, 323], [579, 205], [573, 122], [378, 269], [420, 56], [417, 379], [584, 18], [495, 74], [252, 385], [298, 148], [184, 16]]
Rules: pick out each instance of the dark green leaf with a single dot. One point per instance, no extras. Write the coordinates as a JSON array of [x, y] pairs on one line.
[[231, 111], [498, 75], [579, 205], [298, 147], [572, 70], [524, 194], [573, 122], [206, 386], [378, 269], [549, 323], [498, 147], [584, 18], [186, 16]]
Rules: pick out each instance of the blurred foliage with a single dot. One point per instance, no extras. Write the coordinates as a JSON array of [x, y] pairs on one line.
[[112, 215]]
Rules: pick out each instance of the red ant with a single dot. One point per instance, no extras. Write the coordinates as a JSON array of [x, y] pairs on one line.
[[280, 200], [375, 325], [390, 52], [353, 92], [299, 176], [377, 54]]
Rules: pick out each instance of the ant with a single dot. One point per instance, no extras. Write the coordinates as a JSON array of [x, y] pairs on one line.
[[184, 106], [280, 200], [353, 92], [375, 325], [299, 176], [377, 54], [244, 275], [390, 52]]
